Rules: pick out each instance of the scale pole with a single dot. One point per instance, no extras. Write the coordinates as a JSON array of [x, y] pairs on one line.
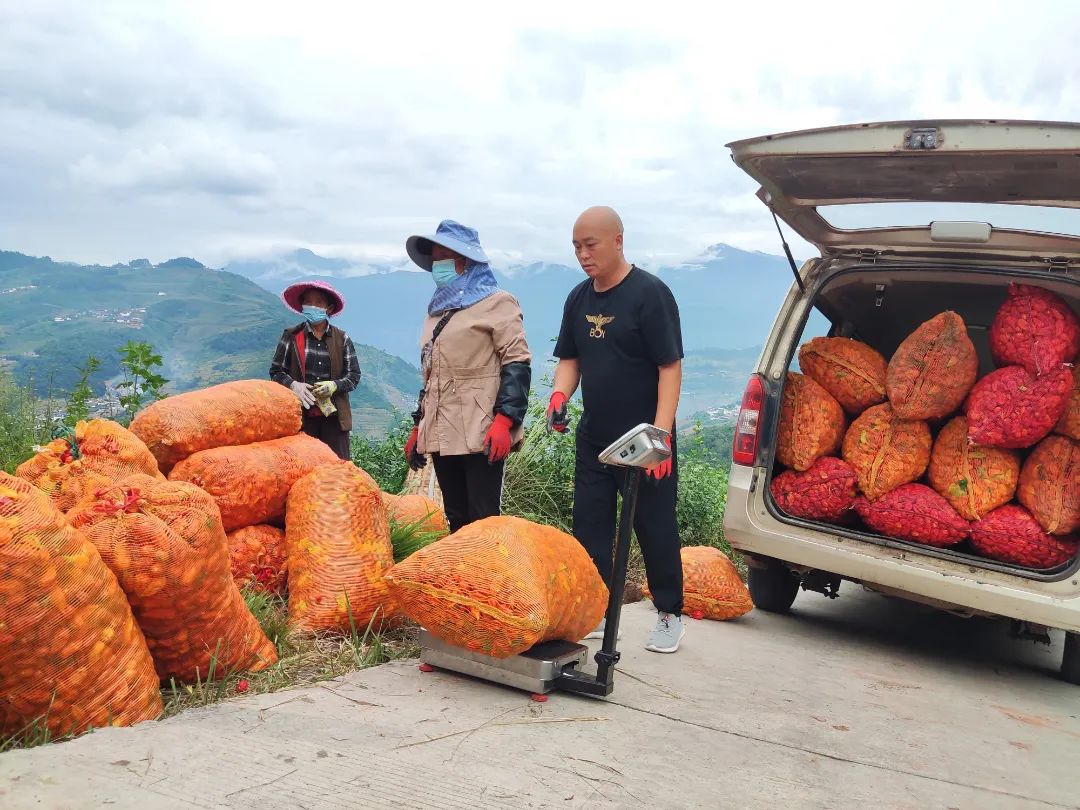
[[607, 656]]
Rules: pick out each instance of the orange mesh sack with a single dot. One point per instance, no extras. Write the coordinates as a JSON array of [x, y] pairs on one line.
[[416, 509], [1069, 424], [232, 413], [886, 451], [712, 587], [1050, 484], [933, 370], [975, 480], [500, 585], [849, 370], [251, 483], [258, 558], [71, 654], [99, 452], [164, 542], [811, 423], [338, 539]]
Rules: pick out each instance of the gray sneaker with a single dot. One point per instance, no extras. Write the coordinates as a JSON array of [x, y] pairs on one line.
[[599, 631], [667, 634]]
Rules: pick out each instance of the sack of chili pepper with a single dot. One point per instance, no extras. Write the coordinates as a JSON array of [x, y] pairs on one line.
[[258, 557], [933, 369], [338, 540], [976, 480], [1050, 484], [416, 510], [251, 482], [500, 585], [1011, 407], [811, 423], [1010, 534], [71, 655], [164, 542], [916, 513], [1035, 329], [885, 450], [232, 413], [712, 587], [97, 452], [849, 370], [824, 492], [1069, 424]]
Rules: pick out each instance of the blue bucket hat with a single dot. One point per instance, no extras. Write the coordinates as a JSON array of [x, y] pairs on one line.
[[453, 235]]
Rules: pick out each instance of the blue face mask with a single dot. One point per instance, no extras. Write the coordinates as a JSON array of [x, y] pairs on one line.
[[443, 272], [315, 314]]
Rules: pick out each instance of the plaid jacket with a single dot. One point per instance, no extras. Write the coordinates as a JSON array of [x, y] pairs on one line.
[[316, 360]]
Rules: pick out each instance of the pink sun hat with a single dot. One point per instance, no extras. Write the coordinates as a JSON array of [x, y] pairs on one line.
[[294, 293]]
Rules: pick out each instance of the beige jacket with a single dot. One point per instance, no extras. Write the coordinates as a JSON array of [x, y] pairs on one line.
[[462, 379]]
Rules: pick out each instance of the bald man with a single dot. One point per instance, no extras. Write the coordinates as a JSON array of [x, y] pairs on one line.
[[621, 341]]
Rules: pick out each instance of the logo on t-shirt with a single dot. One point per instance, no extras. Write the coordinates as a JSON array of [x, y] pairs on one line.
[[599, 322]]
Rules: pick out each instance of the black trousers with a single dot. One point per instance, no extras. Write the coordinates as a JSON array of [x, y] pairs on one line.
[[328, 429], [471, 488], [596, 486]]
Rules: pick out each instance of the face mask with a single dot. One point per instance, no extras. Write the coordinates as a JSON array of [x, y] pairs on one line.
[[315, 314], [443, 272]]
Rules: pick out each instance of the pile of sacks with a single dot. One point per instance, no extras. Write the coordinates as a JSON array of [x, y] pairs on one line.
[[932, 455]]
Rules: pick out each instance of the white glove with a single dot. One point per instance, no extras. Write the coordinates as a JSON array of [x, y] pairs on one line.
[[303, 393]]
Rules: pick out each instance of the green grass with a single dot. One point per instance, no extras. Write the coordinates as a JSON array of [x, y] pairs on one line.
[[408, 538]]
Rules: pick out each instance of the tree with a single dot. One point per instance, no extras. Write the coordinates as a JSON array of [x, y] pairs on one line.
[[141, 382], [78, 405]]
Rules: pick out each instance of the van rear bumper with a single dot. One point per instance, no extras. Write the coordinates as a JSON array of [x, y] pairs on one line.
[[750, 528]]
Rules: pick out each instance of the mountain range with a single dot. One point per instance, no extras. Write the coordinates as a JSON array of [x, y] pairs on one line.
[[215, 325]]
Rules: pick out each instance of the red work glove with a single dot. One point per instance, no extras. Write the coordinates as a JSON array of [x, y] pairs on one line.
[[497, 440], [556, 417], [661, 469], [416, 460]]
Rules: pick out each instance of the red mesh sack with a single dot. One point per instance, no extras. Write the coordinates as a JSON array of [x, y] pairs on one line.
[[99, 452], [852, 372], [71, 655], [338, 539], [824, 492], [1010, 534], [164, 542], [933, 369], [1011, 407], [1050, 484], [417, 510], [251, 483], [975, 480], [914, 512], [500, 585], [232, 413], [1035, 329], [712, 586], [1069, 424], [811, 423], [258, 558], [886, 451]]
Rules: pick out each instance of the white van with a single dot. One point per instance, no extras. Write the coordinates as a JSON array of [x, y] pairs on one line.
[[889, 206]]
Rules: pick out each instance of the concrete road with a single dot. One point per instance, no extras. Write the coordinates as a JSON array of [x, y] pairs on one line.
[[858, 702]]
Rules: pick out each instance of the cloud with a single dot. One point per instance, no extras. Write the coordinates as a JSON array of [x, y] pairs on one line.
[[210, 129]]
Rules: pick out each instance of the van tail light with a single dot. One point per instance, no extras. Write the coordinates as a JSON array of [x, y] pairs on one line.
[[744, 448]]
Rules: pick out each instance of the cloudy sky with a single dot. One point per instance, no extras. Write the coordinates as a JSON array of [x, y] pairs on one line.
[[226, 129]]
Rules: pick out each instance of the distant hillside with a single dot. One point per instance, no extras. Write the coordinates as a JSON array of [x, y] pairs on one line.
[[209, 326]]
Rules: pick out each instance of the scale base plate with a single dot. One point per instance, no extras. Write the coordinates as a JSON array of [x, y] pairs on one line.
[[534, 670]]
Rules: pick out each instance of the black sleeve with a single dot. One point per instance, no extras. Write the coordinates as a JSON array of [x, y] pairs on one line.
[[513, 397], [661, 327], [281, 356], [566, 346]]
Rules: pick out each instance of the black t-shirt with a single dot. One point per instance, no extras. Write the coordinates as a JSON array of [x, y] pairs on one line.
[[620, 337]]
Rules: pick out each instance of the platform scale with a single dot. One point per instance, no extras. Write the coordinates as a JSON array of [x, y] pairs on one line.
[[555, 665]]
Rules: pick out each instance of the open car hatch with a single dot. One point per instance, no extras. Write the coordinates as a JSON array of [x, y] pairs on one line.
[[1015, 163]]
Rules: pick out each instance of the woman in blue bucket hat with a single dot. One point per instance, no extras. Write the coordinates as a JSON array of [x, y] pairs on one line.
[[475, 366]]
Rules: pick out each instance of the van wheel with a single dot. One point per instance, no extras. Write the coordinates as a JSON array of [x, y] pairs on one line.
[[1070, 659], [775, 586]]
